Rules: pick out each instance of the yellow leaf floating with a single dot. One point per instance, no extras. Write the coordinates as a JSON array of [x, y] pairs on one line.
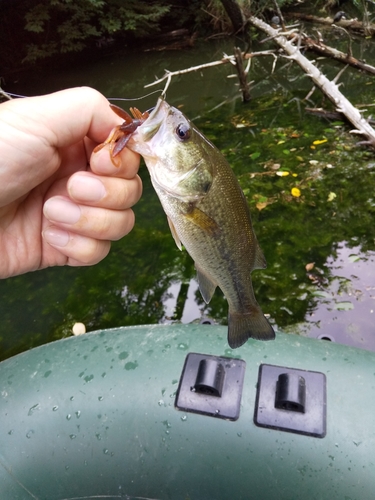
[[262, 204], [321, 141], [331, 196], [296, 192]]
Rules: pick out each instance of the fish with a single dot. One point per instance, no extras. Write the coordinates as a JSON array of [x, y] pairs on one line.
[[207, 214]]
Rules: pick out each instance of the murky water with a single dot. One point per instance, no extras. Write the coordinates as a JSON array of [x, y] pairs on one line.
[[274, 147]]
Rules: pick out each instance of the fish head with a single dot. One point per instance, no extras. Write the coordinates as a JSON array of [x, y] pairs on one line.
[[178, 157]]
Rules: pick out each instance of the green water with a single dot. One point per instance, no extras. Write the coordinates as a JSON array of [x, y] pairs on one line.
[[270, 145]]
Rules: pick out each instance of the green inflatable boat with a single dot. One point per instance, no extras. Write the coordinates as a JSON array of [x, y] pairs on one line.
[[170, 412]]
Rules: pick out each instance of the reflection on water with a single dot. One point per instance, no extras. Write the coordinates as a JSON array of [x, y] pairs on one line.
[[190, 310], [345, 309], [146, 279]]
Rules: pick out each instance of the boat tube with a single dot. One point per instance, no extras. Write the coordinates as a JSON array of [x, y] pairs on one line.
[[170, 412]]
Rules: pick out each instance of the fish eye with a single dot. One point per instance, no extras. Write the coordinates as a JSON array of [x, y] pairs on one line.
[[183, 131]]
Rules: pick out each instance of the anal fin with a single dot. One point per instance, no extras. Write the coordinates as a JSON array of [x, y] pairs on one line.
[[260, 260], [206, 286]]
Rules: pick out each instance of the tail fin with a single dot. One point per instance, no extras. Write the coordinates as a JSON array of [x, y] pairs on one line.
[[242, 326]]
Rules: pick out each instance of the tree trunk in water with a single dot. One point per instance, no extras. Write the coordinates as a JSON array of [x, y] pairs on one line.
[[242, 76], [235, 15]]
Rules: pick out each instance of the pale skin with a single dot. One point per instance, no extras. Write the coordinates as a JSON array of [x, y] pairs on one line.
[[60, 203]]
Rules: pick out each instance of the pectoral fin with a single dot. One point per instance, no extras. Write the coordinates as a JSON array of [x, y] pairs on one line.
[[174, 234], [202, 220], [206, 286]]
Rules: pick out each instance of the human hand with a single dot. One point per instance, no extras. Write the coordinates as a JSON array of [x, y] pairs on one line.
[[61, 204]]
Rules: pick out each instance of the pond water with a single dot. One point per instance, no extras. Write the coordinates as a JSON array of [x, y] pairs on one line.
[[309, 187]]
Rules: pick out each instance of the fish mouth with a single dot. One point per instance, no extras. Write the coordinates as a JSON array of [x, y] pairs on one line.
[[153, 123]]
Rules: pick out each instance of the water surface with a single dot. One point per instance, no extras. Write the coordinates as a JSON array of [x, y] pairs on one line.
[[274, 148]]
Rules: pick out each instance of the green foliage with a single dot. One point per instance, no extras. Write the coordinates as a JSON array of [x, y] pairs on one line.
[[60, 26]]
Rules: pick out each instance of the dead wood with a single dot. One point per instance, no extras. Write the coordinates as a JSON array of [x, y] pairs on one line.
[[349, 24], [327, 87], [242, 75], [325, 50]]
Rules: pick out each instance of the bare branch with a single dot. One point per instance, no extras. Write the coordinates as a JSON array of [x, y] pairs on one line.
[[329, 88], [170, 74], [225, 60]]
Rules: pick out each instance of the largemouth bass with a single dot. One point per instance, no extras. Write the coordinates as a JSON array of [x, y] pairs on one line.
[[207, 214]]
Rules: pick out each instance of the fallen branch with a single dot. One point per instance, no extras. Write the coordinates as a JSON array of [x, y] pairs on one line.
[[225, 60], [325, 50], [330, 115], [351, 24], [329, 88]]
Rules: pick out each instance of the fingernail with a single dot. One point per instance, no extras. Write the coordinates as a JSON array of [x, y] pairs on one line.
[[56, 237], [61, 210], [86, 188]]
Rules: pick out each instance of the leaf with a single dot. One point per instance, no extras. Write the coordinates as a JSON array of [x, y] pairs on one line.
[[282, 173], [344, 306], [354, 258], [320, 141], [255, 155], [296, 192], [310, 266], [261, 205], [331, 196]]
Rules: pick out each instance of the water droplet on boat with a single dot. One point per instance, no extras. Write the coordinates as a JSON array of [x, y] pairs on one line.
[[30, 433], [68, 417], [55, 408], [33, 408], [182, 346]]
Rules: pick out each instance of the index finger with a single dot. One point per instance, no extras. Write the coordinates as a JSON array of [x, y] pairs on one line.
[[101, 163]]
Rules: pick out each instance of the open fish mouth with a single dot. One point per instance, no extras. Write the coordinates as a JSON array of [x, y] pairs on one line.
[[153, 123]]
